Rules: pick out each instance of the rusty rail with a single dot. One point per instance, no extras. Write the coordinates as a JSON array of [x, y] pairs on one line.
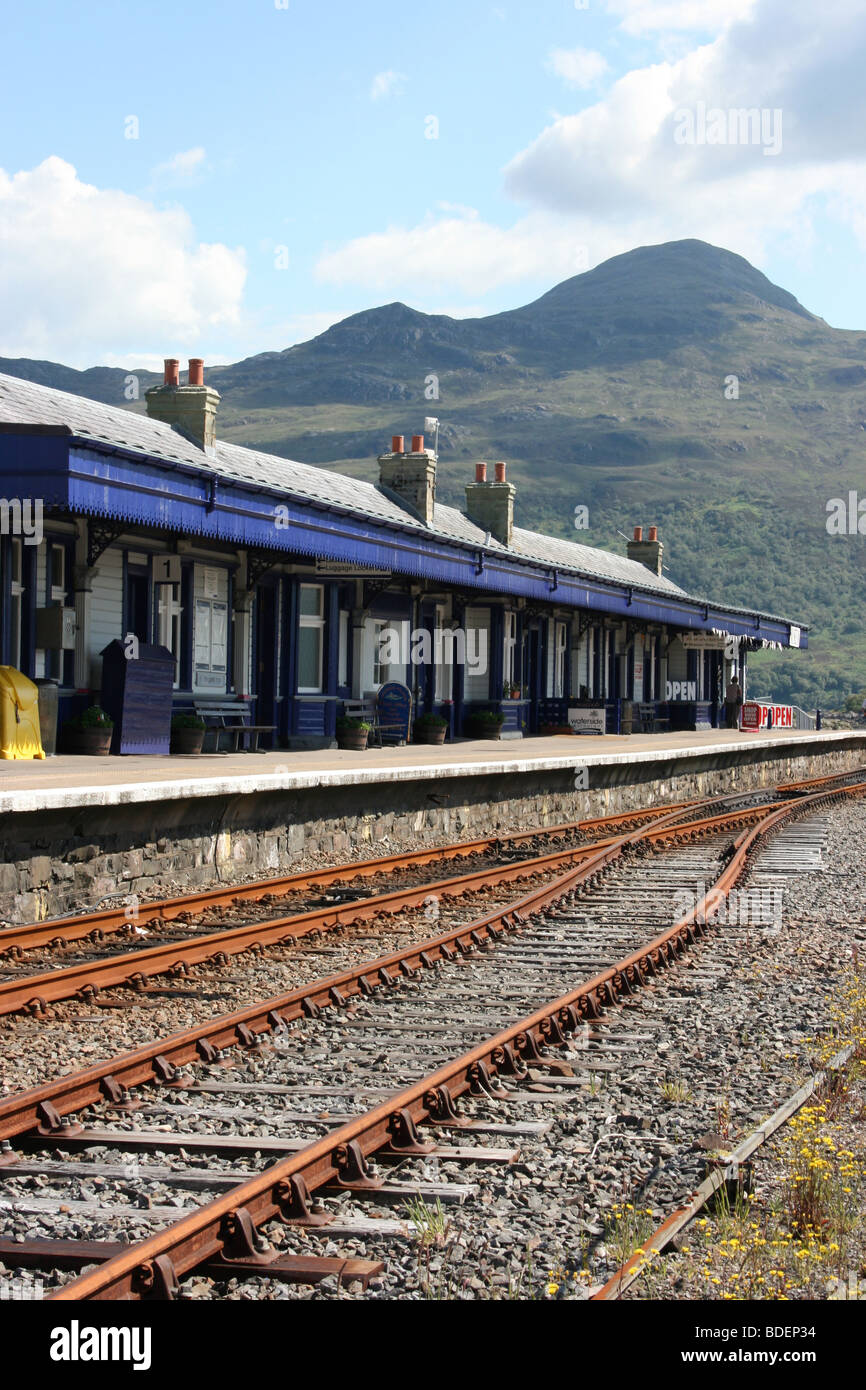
[[133, 968], [153, 1267], [42, 1107], [63, 930]]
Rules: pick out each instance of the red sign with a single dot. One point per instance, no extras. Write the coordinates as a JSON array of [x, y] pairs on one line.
[[755, 716]]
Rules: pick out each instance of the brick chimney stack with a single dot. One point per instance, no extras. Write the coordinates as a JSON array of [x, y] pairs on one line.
[[491, 505], [647, 552], [411, 475], [191, 409]]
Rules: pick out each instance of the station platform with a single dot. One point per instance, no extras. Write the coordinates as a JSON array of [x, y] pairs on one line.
[[66, 782]]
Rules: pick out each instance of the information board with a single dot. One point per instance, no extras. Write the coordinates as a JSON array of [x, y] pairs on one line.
[[757, 716], [394, 707], [588, 721]]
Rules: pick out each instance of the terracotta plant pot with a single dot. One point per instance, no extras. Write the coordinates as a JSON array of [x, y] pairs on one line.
[[355, 740], [186, 740], [91, 743]]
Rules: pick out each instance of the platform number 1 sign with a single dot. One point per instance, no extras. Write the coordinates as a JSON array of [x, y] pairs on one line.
[[165, 569]]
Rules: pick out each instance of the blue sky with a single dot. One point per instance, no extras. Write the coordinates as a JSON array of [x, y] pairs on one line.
[[282, 172]]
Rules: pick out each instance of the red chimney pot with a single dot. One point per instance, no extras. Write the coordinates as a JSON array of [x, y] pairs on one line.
[[417, 443], [654, 533], [638, 533], [196, 371], [481, 472], [396, 444], [171, 371], [500, 472]]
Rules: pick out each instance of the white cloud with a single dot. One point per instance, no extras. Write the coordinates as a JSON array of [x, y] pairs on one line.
[[86, 272], [387, 84], [613, 176], [579, 67], [647, 16], [442, 254], [181, 167], [619, 161]]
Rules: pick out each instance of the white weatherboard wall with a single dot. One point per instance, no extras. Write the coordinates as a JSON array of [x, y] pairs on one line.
[[106, 609]]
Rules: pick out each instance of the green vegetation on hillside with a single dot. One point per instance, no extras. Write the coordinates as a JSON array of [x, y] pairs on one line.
[[673, 385]]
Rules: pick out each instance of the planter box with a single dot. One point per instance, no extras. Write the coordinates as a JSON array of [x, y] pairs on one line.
[[436, 736], [91, 743], [187, 740], [483, 730], [354, 740]]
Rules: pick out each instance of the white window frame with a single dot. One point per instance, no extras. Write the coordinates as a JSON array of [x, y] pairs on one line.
[[378, 670], [316, 623], [168, 624]]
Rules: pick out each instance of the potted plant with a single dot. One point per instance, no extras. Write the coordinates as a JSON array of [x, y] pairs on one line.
[[510, 691], [187, 732], [430, 728], [352, 733], [89, 733], [484, 723]]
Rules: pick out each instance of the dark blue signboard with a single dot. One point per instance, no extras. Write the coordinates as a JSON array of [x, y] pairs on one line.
[[136, 691], [394, 707]]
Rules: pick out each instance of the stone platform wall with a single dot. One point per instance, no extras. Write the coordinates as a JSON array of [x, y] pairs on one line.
[[57, 862]]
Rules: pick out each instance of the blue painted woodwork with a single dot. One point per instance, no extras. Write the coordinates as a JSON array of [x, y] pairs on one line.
[[78, 476]]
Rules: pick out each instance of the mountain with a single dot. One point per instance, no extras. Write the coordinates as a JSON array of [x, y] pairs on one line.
[[673, 384]]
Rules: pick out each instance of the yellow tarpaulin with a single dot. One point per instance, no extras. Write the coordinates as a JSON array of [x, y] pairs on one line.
[[19, 716]]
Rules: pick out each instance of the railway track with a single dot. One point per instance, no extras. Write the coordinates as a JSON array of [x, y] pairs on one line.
[[95, 926], [524, 955], [99, 970]]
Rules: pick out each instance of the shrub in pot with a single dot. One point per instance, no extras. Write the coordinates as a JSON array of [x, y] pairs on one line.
[[484, 723], [431, 728], [88, 733], [187, 733], [352, 733]]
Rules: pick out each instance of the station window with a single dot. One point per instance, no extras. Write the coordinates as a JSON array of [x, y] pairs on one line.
[[311, 638]]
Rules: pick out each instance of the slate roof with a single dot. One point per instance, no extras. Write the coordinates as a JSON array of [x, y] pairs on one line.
[[26, 403]]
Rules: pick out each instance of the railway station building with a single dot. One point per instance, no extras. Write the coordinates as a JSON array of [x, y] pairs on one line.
[[294, 589]]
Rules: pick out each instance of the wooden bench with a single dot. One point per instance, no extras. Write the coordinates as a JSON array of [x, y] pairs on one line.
[[368, 710], [217, 714], [650, 718]]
